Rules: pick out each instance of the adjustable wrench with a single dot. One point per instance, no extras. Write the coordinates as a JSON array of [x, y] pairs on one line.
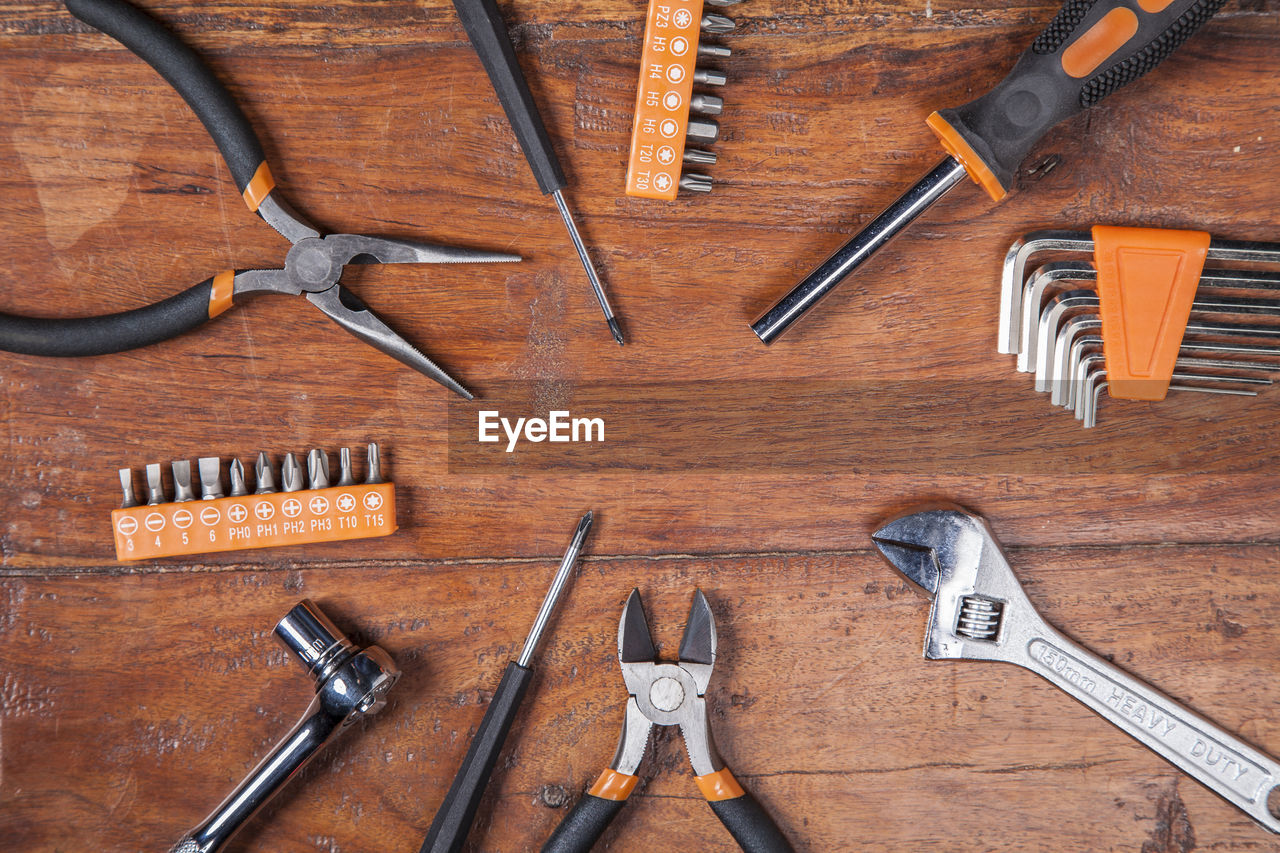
[[980, 612]]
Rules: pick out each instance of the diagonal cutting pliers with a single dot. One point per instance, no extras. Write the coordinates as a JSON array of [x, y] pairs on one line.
[[313, 266], [667, 694]]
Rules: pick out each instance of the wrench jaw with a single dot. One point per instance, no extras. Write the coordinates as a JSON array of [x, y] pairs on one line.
[[953, 556]]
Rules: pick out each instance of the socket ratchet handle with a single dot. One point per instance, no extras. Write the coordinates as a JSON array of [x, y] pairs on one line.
[[1090, 49], [350, 684]]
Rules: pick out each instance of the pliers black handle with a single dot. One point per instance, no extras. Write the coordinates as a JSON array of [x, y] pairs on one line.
[[186, 72], [313, 267], [183, 68], [126, 330], [744, 817]]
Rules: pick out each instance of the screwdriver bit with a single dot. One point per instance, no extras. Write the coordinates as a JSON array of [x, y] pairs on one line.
[[318, 469], [375, 465], [126, 485], [346, 477], [723, 3], [291, 474], [717, 24], [698, 157], [703, 130], [210, 477], [266, 479], [182, 490], [237, 479], [709, 77], [707, 105], [715, 51], [695, 183], [155, 487]]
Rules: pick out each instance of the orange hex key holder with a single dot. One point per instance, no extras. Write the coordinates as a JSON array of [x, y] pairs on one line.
[[313, 267], [1142, 315]]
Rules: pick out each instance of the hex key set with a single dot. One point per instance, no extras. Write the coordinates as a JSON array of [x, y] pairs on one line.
[[1142, 316]]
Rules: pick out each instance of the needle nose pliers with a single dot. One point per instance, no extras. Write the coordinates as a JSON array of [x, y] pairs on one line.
[[667, 694], [312, 267]]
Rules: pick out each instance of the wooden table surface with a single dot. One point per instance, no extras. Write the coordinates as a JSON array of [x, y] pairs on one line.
[[135, 694]]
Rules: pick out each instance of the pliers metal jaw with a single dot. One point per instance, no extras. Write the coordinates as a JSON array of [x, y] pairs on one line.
[[980, 612], [667, 694], [312, 267]]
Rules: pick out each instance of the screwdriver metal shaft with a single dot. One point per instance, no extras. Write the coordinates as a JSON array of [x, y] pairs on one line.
[[488, 34], [614, 328], [897, 216], [452, 822], [552, 597], [1081, 57]]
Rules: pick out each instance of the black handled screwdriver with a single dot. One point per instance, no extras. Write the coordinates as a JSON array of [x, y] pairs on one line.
[[1089, 50], [452, 822], [488, 34]]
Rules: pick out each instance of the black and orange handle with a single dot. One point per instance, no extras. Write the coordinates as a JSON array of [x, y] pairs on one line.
[[1090, 49], [592, 814], [744, 817], [452, 823], [186, 72], [126, 330]]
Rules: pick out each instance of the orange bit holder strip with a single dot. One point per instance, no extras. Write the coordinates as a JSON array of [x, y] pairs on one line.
[[254, 521], [1147, 280], [662, 98]]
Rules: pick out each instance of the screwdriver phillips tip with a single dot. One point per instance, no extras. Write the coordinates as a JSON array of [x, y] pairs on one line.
[[587, 266], [558, 584]]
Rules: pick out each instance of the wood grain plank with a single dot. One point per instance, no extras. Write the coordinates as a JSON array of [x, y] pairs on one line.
[[132, 703], [133, 696]]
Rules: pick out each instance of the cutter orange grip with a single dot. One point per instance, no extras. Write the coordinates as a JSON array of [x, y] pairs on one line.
[[613, 785], [221, 292], [662, 98], [259, 186], [1147, 280], [719, 786], [957, 147], [254, 521]]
